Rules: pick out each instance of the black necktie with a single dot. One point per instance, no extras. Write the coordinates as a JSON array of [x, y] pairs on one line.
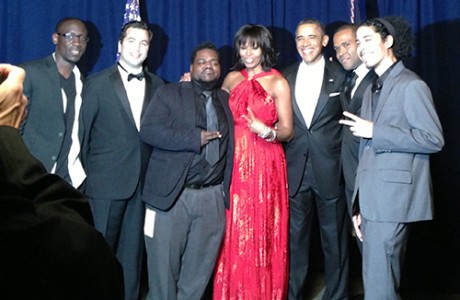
[[139, 76], [377, 85], [376, 88], [212, 148], [349, 84]]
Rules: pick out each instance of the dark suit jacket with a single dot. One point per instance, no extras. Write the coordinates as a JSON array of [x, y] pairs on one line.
[[169, 126], [393, 176], [44, 126], [321, 143], [350, 142], [48, 249], [113, 156]]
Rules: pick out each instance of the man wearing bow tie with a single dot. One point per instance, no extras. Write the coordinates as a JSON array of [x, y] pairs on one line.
[[113, 156]]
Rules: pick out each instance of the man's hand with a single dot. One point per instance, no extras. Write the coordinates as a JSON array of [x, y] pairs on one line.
[[357, 226], [207, 136], [358, 126], [186, 77], [12, 101]]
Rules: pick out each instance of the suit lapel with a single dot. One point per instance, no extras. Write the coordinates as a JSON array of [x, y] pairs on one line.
[[343, 99], [52, 72], [148, 93], [387, 87], [228, 113], [327, 88], [188, 103], [357, 99], [119, 88]]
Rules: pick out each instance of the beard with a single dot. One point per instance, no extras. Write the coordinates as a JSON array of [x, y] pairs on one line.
[[206, 85]]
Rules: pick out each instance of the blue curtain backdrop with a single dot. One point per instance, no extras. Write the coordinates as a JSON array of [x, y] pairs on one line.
[[178, 25], [433, 260]]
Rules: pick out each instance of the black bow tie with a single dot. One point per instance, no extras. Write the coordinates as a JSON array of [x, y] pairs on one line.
[[139, 76]]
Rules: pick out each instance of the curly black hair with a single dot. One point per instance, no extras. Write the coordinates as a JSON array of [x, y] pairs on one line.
[[402, 36], [205, 45]]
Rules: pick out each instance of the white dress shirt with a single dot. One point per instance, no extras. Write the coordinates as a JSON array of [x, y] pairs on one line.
[[308, 87], [135, 90], [361, 71]]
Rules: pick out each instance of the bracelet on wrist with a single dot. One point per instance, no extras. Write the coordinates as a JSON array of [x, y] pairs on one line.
[[269, 134], [273, 137], [265, 133]]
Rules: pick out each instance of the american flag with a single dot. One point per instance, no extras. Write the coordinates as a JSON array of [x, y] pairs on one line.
[[132, 11]]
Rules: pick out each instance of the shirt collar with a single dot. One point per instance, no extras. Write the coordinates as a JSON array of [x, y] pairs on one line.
[[319, 65], [361, 70]]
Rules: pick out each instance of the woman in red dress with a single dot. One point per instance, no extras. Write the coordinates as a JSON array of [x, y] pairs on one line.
[[253, 262]]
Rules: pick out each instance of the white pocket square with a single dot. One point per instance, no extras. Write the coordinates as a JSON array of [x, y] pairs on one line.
[[334, 94]]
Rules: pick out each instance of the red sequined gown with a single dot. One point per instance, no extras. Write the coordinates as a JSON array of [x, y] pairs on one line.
[[253, 262]]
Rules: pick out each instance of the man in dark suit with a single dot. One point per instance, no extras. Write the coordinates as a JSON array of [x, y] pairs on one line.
[[186, 192], [53, 87], [114, 158], [313, 159], [48, 248], [399, 128], [358, 78]]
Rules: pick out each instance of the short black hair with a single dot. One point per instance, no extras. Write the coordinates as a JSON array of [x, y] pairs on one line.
[[65, 20], [255, 35], [137, 25], [199, 47], [403, 37], [312, 21], [345, 26]]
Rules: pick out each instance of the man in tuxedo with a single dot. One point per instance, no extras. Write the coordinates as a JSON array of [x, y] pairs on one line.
[[48, 248], [188, 179], [399, 128], [358, 78], [114, 158], [53, 87], [313, 159]]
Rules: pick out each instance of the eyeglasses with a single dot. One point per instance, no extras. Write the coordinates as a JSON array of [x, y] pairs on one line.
[[69, 36]]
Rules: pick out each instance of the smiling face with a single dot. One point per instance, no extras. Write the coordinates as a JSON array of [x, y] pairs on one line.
[[134, 47], [346, 49], [374, 52], [70, 50], [251, 56], [310, 42]]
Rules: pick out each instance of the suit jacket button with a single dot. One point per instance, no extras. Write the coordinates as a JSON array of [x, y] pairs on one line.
[[60, 134]]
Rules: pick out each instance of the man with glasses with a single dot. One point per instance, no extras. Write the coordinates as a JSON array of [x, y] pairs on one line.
[[53, 86]]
